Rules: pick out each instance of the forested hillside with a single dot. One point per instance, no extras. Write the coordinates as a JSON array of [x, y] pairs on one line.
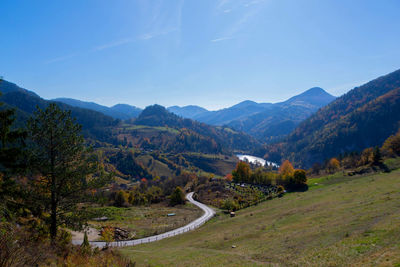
[[95, 125], [364, 117], [157, 143], [190, 135]]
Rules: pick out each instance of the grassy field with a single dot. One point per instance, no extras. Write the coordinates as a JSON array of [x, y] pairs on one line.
[[220, 165], [130, 127], [340, 221], [149, 220]]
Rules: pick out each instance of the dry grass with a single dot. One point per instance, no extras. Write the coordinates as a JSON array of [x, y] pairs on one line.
[[108, 258], [149, 220]]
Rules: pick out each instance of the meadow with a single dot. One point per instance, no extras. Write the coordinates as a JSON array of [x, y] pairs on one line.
[[339, 221]]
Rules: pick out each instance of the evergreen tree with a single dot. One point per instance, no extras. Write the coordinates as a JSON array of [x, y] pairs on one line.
[[377, 156], [62, 171], [299, 177], [11, 161], [177, 197], [85, 246]]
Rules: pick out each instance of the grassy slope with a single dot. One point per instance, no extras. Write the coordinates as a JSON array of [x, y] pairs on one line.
[[220, 165], [340, 221], [156, 167]]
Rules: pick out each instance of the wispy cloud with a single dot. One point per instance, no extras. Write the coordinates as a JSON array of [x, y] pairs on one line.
[[146, 36], [254, 2], [164, 19], [151, 35], [221, 39], [222, 3], [114, 44], [161, 23], [235, 27], [58, 59], [247, 8]]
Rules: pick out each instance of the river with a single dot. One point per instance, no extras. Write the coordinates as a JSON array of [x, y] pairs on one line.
[[256, 160]]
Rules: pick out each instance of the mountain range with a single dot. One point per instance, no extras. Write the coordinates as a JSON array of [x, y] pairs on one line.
[[364, 117], [265, 121], [119, 111]]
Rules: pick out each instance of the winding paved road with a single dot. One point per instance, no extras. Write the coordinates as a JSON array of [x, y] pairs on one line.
[[208, 214]]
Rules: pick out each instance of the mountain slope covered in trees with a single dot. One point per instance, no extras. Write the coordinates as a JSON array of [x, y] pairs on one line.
[[95, 125], [363, 117], [188, 133]]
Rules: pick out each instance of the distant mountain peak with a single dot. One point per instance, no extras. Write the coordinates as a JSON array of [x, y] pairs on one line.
[[129, 110], [245, 103], [6, 87], [154, 110], [315, 96], [157, 115], [315, 91], [190, 111]]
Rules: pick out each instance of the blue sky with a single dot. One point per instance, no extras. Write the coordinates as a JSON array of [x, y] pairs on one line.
[[212, 53]]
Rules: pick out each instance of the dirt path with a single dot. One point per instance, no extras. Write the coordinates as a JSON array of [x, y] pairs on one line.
[[208, 214]]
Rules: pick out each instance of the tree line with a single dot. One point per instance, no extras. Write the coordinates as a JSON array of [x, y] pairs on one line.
[[288, 177], [371, 157]]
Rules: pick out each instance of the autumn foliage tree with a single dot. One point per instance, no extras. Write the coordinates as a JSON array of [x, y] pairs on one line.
[[242, 172], [229, 177], [333, 165], [288, 177], [286, 170], [391, 147]]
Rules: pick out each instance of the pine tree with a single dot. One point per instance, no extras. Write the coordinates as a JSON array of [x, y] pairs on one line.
[[377, 156], [85, 246], [177, 197], [11, 161], [62, 171]]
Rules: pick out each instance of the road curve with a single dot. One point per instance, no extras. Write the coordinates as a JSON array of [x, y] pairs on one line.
[[208, 214]]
